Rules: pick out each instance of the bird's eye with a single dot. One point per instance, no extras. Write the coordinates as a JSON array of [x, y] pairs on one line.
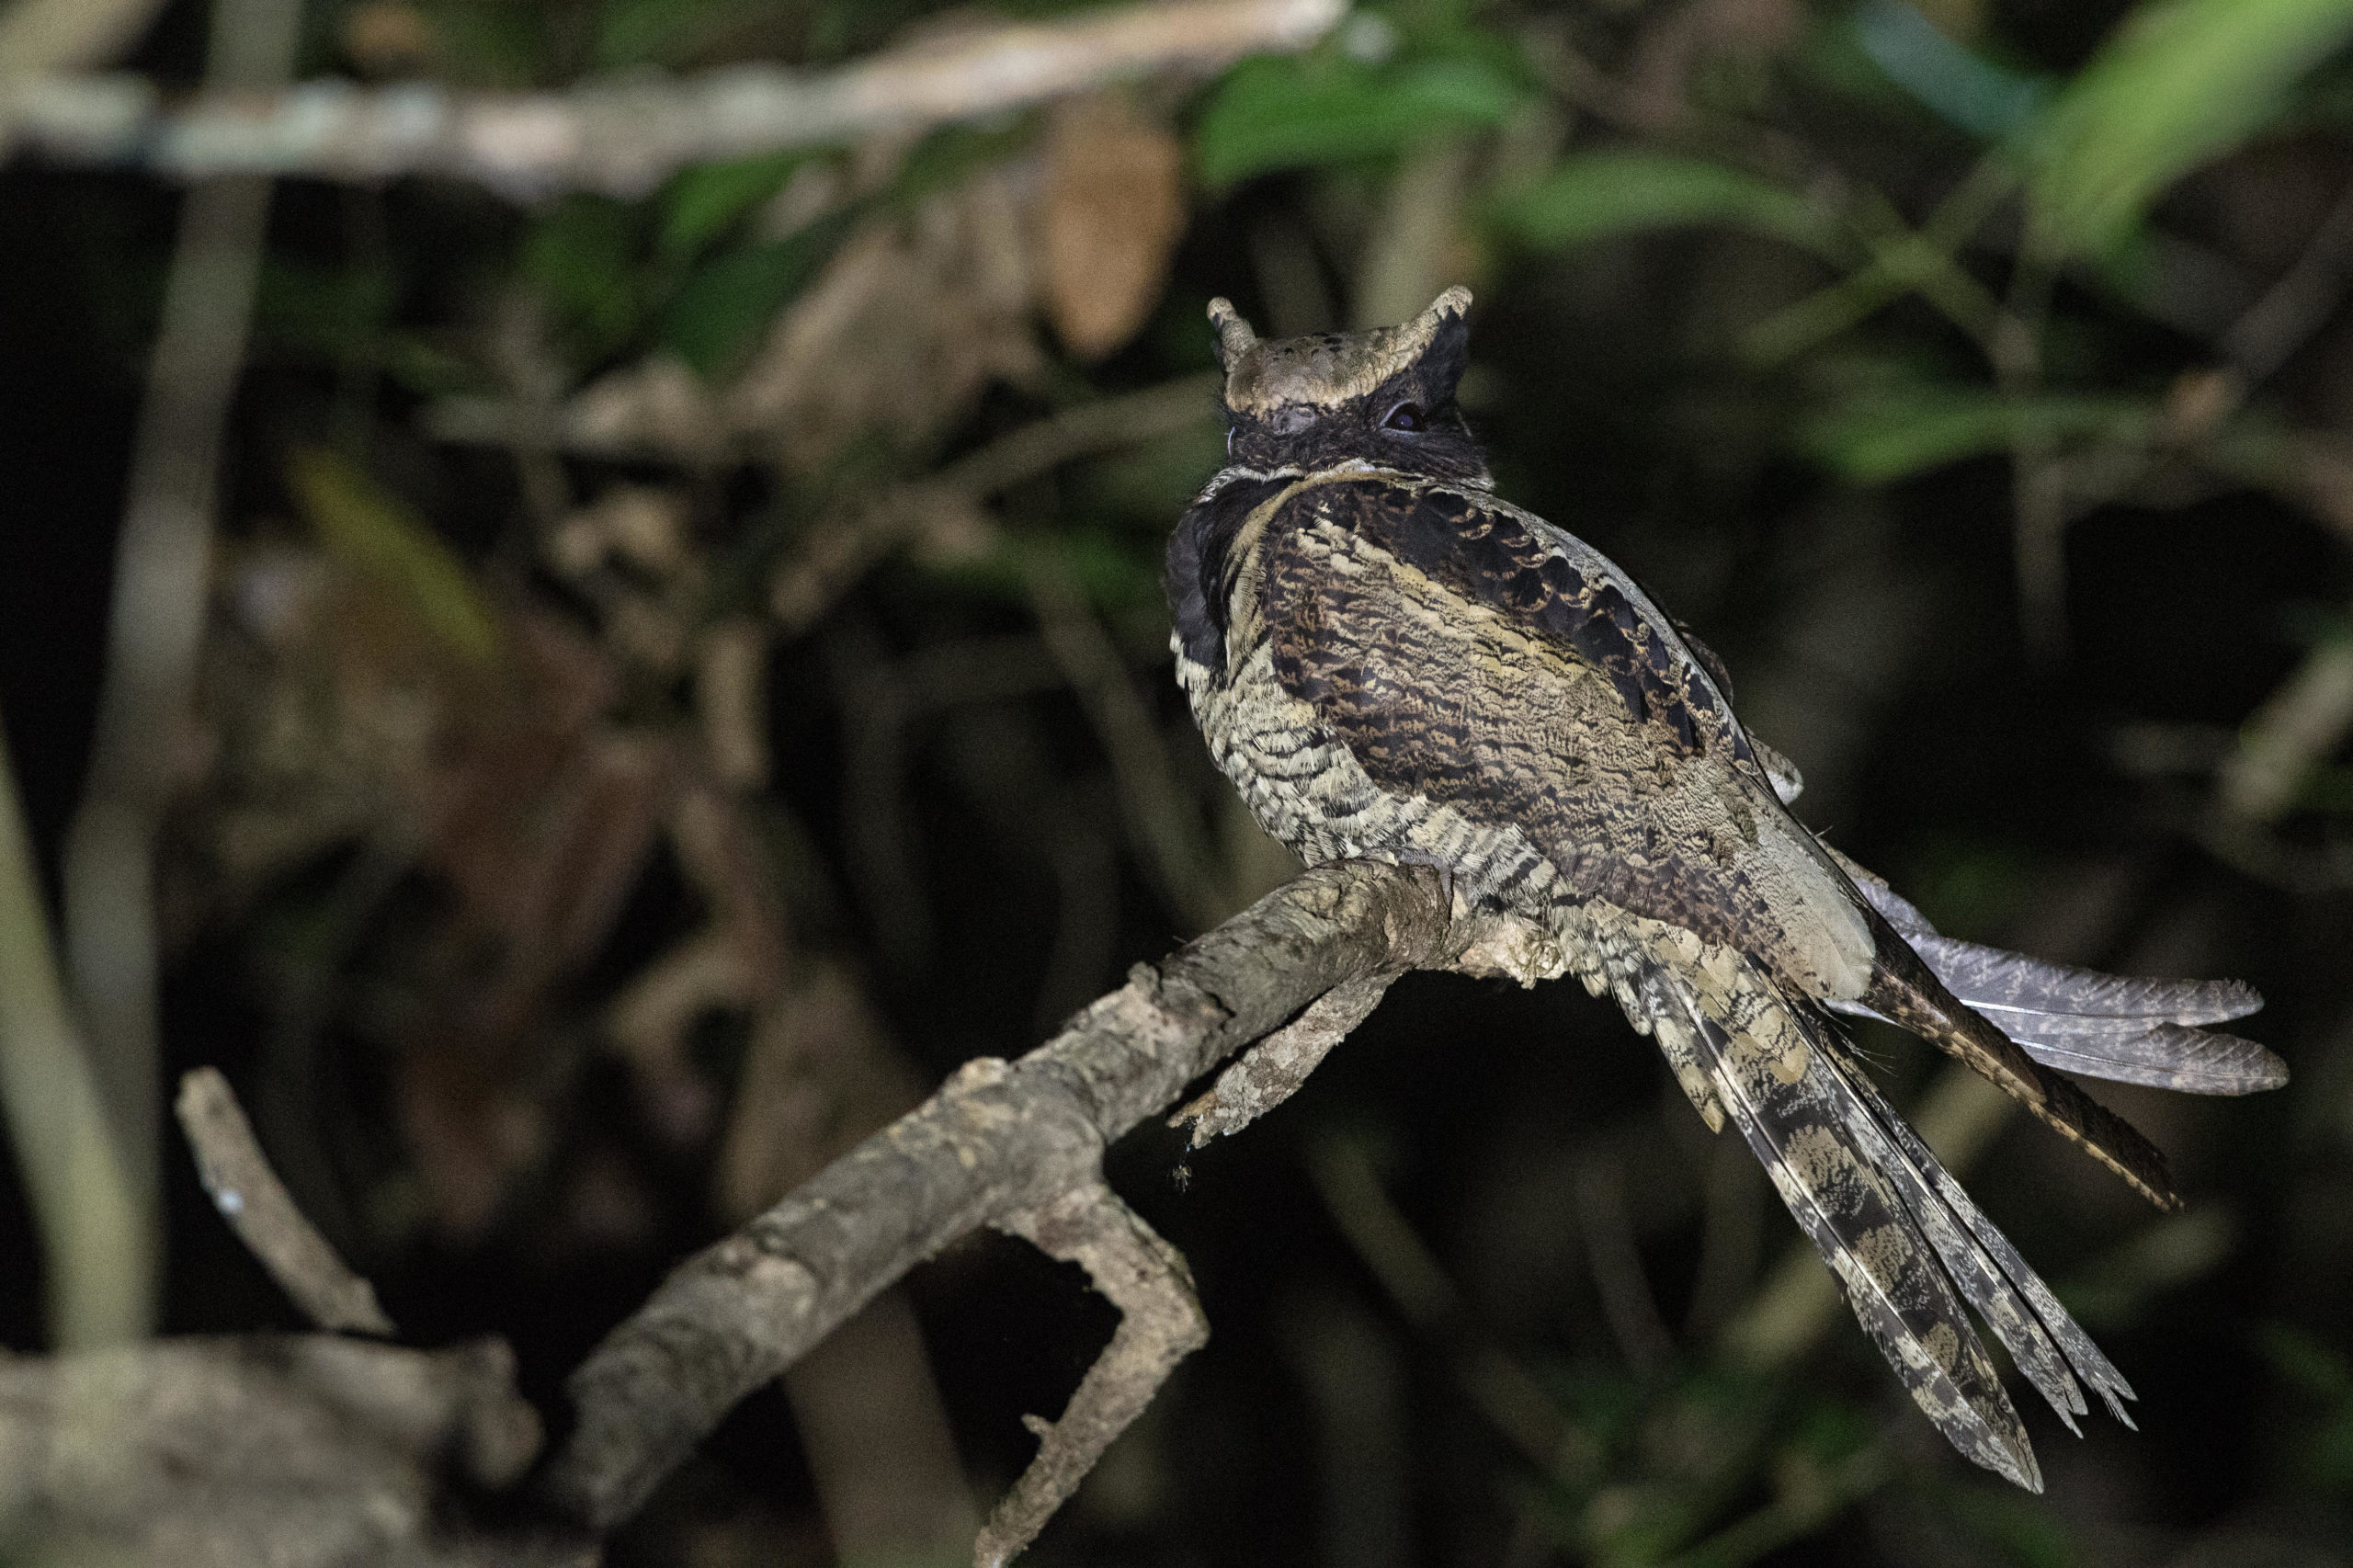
[[1405, 416]]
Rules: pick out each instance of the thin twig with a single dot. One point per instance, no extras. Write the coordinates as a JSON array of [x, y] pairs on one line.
[[1818, 1497], [1627, 1302], [2300, 723], [1102, 426], [2292, 308], [625, 136], [1273, 1070], [246, 1191], [844, 546], [2037, 481], [156, 619], [1503, 1390]]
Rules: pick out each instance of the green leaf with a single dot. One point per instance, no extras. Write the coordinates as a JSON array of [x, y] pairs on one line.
[[1883, 434], [718, 311], [583, 254], [672, 32], [1963, 87], [2180, 84], [378, 535], [2315, 1368], [2024, 1527], [1603, 194], [1285, 113], [323, 310], [706, 199]]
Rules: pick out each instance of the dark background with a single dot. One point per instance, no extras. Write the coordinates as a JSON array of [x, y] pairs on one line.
[[2047, 782]]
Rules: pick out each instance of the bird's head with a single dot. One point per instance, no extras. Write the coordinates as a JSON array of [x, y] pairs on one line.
[[1384, 396]]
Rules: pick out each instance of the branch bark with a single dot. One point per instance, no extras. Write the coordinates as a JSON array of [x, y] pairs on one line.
[[251, 1197], [624, 137], [1016, 1145]]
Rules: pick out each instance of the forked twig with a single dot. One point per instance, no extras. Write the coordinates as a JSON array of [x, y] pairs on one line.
[[1161, 1322]]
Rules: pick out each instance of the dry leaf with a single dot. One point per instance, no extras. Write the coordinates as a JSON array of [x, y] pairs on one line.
[[730, 696], [911, 321], [1113, 210], [384, 38], [657, 407]]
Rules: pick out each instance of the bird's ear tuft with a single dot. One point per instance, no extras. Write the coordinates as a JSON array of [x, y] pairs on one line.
[[1235, 337], [1448, 346]]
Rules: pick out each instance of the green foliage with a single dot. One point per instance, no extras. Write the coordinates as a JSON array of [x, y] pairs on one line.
[[1879, 434], [2023, 1529], [717, 315], [947, 157], [701, 202], [2180, 84], [1982, 96], [495, 43], [1599, 196], [2325, 1376], [343, 315], [2171, 1253], [1287, 113], [583, 256], [377, 535], [670, 33]]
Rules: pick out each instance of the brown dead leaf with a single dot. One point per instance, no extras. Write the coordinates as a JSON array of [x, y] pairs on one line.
[[731, 697], [383, 38], [657, 407], [897, 338], [642, 525], [1113, 209]]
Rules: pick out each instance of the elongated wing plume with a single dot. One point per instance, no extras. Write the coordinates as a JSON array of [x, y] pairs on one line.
[[2080, 1020]]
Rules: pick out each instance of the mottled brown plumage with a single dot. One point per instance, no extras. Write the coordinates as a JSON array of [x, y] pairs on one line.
[[1391, 662]]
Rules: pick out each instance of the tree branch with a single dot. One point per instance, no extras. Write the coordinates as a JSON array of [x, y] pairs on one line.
[[1016, 1145], [624, 137]]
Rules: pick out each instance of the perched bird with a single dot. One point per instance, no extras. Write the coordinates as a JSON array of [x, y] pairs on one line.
[[1391, 663]]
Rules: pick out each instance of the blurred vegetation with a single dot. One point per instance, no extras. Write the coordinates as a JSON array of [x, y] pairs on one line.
[[685, 674]]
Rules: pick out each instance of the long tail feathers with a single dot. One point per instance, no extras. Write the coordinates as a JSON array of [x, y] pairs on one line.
[[2103, 1026], [1895, 1228]]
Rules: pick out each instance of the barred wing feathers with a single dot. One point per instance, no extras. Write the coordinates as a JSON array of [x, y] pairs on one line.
[[1472, 658]]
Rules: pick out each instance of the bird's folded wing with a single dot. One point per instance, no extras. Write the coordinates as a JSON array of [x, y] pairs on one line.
[[1488, 671]]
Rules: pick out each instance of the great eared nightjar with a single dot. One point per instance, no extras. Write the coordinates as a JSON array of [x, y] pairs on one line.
[[1391, 663]]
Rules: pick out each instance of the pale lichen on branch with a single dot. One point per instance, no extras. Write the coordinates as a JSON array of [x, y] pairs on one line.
[[623, 137]]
